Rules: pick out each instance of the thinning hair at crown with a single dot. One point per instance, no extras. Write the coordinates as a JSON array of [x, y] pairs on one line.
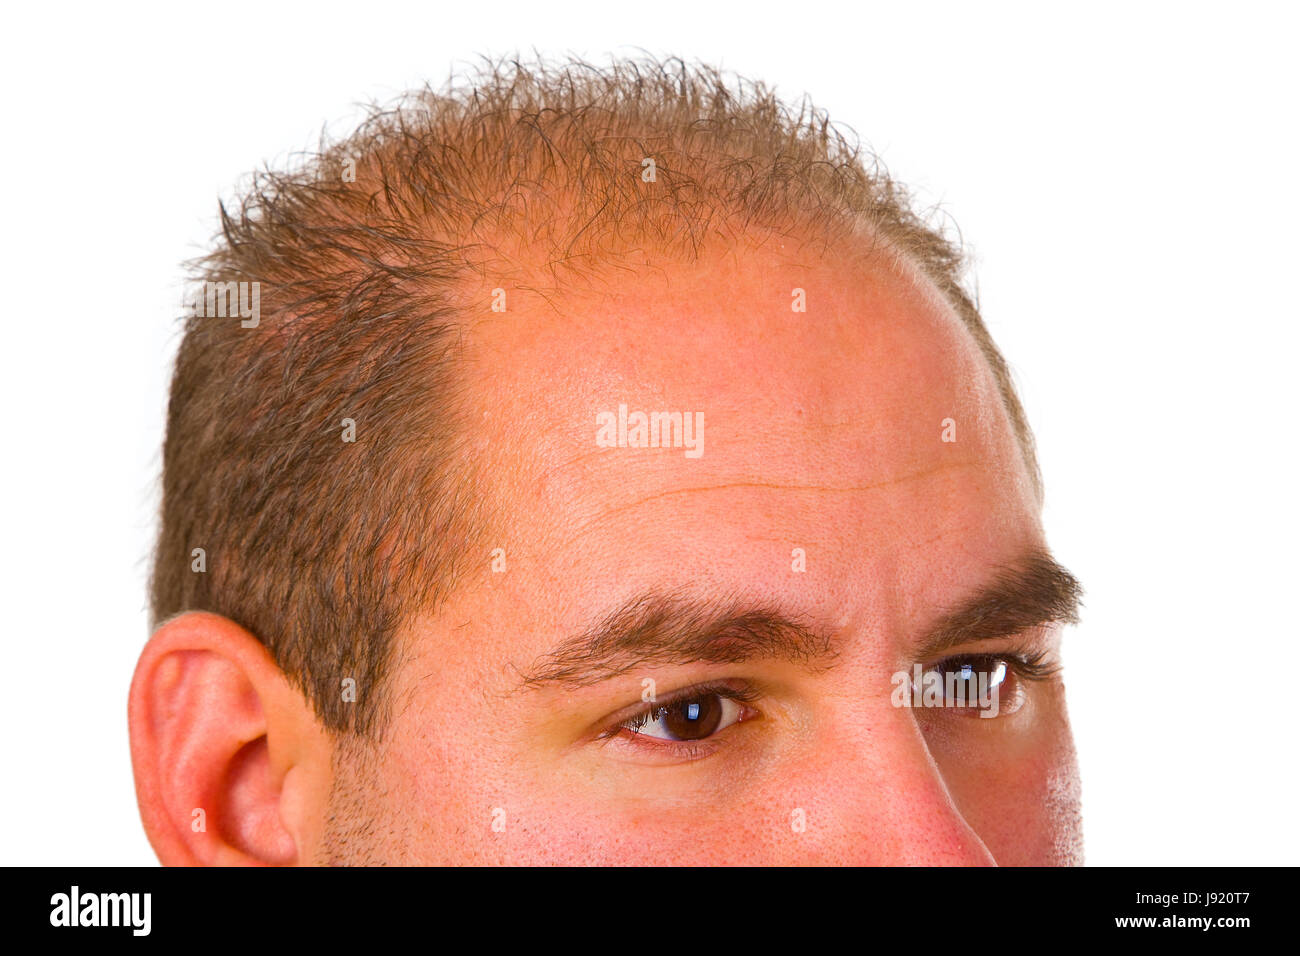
[[365, 253]]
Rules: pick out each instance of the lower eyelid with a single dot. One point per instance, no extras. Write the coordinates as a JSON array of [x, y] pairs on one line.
[[667, 752]]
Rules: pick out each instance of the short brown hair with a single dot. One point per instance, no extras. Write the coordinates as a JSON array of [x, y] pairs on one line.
[[323, 548]]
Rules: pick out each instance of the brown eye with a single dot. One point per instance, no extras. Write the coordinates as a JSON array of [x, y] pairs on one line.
[[978, 685], [687, 718], [693, 718], [966, 678]]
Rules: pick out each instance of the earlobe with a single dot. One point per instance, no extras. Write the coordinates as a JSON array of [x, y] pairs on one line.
[[216, 730]]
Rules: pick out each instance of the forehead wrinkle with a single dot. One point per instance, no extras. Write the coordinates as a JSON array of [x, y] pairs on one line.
[[603, 516]]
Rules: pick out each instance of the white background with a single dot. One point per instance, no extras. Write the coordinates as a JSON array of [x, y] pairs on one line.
[[1125, 175]]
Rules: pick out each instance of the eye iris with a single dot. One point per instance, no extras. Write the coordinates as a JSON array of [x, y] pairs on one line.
[[693, 718], [964, 680]]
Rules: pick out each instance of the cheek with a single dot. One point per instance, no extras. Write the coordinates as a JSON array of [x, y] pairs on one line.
[[1019, 790], [529, 817], [570, 826], [569, 832]]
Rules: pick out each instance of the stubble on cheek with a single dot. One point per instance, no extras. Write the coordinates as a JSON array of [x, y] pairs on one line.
[[355, 832], [1064, 803]]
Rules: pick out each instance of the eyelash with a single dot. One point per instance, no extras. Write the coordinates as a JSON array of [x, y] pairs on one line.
[[1024, 664]]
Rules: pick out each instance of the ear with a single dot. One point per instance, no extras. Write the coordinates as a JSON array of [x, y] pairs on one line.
[[232, 767]]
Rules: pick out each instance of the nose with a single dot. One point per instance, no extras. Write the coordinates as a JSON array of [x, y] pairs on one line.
[[877, 798]]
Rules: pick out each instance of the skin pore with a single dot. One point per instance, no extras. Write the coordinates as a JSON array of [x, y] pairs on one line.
[[519, 731]]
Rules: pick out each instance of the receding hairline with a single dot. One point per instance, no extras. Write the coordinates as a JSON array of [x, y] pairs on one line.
[[356, 275]]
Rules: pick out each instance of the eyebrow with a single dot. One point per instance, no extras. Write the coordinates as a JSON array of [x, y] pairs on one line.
[[1032, 592], [657, 629]]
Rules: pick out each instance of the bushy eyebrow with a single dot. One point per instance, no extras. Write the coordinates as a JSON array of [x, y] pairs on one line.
[[1033, 591], [665, 629], [658, 629]]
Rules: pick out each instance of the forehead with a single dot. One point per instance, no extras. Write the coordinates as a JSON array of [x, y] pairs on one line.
[[822, 428]]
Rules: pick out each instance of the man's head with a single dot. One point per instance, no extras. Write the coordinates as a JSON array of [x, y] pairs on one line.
[[584, 409]]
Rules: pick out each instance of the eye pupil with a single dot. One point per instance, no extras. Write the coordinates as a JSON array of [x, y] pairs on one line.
[[695, 718]]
